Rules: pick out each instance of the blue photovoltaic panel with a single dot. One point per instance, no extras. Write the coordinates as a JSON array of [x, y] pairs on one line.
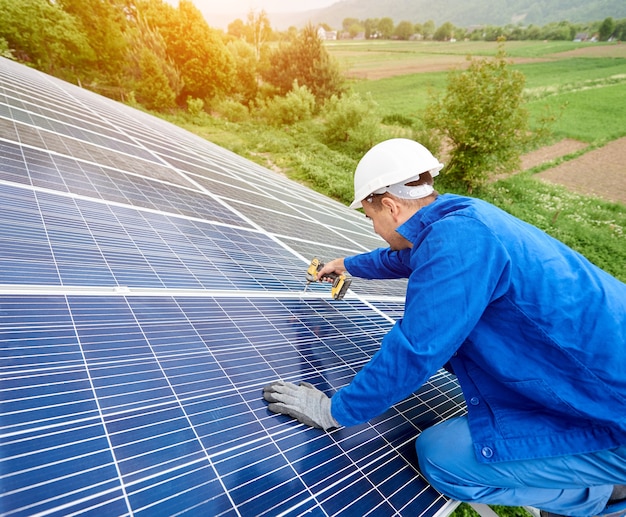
[[48, 171], [121, 394], [46, 238], [151, 283], [393, 309]]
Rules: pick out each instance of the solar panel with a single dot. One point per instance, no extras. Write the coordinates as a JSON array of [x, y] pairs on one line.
[[151, 283]]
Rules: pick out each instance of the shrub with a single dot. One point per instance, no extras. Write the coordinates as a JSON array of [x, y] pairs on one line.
[[296, 106], [482, 117], [194, 106], [397, 119], [232, 110], [5, 51], [352, 120]]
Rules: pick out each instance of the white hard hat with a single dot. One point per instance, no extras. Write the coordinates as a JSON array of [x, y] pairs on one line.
[[392, 163]]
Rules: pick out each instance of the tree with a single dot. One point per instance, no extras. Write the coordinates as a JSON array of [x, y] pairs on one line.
[[620, 29], [153, 90], [104, 23], [206, 67], [258, 31], [445, 32], [533, 32], [40, 33], [245, 86], [517, 33], [291, 34], [428, 29], [355, 29], [252, 35], [606, 29], [558, 31], [404, 30], [156, 81], [482, 117], [349, 22], [237, 29], [385, 27], [371, 28], [306, 61], [5, 51]]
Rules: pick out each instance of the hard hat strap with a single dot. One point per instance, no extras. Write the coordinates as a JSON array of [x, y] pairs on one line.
[[407, 191]]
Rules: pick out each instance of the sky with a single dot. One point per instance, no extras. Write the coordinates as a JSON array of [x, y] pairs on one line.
[[269, 6]]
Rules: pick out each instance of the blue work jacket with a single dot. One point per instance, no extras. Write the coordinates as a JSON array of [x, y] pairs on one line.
[[535, 333]]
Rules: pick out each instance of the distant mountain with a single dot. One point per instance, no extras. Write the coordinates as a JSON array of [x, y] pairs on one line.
[[462, 13]]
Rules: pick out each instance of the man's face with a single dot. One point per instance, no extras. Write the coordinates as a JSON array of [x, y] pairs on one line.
[[385, 223]]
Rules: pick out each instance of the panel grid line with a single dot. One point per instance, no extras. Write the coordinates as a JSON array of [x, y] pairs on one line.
[[100, 412], [276, 374]]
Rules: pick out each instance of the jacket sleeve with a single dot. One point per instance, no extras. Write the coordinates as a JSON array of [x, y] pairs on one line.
[[457, 269], [381, 263]]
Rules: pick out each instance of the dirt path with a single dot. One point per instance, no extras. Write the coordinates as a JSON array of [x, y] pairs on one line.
[[551, 152], [424, 64], [601, 172]]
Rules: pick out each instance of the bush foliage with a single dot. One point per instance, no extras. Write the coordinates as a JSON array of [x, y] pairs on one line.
[[351, 121], [297, 105], [482, 118]]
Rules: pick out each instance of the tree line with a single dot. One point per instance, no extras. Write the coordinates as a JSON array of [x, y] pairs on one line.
[[386, 28], [163, 57]]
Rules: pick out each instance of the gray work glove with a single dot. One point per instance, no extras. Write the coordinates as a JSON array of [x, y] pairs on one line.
[[304, 402]]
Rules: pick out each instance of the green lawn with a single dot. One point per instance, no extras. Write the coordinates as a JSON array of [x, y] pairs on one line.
[[595, 115], [405, 49], [577, 71], [405, 94], [588, 93]]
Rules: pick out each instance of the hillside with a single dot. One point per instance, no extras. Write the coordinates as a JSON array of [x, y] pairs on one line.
[[462, 13]]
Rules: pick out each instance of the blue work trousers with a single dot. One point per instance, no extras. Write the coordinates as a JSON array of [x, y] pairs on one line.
[[577, 486]]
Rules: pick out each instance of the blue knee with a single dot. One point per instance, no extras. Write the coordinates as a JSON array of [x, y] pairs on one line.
[[445, 454], [428, 457]]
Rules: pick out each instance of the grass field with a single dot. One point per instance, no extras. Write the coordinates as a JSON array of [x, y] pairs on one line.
[[370, 53], [595, 115], [585, 83]]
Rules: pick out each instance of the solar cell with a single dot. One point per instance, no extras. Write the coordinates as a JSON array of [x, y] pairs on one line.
[[151, 283]]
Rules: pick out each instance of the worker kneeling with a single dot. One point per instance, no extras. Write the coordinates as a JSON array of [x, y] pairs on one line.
[[534, 332]]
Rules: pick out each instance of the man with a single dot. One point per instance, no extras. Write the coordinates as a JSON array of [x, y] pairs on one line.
[[535, 333]]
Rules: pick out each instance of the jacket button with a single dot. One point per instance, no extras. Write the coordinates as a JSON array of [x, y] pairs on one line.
[[474, 401], [487, 452]]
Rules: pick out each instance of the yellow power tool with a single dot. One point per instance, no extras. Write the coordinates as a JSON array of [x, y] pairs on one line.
[[341, 283]]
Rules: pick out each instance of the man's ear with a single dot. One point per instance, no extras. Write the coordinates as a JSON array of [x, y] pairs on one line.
[[392, 206]]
